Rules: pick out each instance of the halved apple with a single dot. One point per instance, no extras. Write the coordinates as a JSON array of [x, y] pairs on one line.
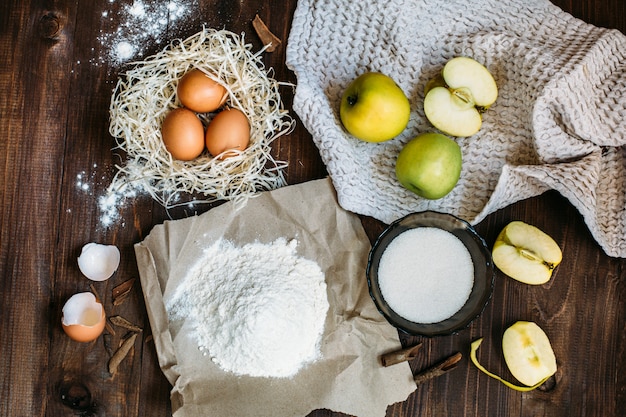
[[525, 253], [454, 100], [527, 353]]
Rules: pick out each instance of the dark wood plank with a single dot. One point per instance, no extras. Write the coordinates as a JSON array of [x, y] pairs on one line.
[[56, 79], [34, 87]]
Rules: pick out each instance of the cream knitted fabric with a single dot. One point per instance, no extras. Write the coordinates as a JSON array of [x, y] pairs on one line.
[[559, 122]]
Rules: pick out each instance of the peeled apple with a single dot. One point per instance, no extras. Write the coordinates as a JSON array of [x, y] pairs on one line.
[[527, 353]]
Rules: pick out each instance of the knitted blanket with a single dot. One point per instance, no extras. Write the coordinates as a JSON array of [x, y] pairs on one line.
[[559, 122]]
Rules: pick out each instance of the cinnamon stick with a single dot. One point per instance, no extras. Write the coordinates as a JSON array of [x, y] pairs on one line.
[[121, 353], [269, 40], [446, 366], [122, 291], [400, 356], [122, 322]]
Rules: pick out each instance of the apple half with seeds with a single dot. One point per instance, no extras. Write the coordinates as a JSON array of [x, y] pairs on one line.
[[455, 99], [525, 253]]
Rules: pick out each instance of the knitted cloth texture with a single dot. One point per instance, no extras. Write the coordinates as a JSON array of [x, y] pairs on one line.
[[559, 122]]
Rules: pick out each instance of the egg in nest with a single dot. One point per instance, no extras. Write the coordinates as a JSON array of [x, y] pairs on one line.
[[228, 130], [183, 134], [199, 93]]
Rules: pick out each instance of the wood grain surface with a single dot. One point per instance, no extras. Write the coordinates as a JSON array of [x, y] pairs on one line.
[[56, 80]]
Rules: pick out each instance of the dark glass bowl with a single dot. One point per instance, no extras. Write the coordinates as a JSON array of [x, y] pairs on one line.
[[484, 273]]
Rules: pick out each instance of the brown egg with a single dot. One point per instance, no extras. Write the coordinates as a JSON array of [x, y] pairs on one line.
[[183, 134], [229, 129], [199, 93], [83, 317]]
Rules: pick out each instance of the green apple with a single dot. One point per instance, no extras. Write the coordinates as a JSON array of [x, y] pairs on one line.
[[525, 253], [455, 99], [528, 353], [374, 108], [429, 165]]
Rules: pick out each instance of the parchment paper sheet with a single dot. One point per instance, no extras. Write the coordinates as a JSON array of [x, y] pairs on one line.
[[349, 377]]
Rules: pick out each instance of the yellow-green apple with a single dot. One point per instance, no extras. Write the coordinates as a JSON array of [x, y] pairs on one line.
[[429, 165], [525, 253], [454, 100], [528, 353], [374, 108]]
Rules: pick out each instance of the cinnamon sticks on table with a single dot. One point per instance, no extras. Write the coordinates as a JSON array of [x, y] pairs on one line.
[[400, 356], [441, 368], [409, 353]]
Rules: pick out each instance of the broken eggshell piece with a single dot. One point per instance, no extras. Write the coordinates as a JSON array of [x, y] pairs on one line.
[[99, 262], [83, 317]]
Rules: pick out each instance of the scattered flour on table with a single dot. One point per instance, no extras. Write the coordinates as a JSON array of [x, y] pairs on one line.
[[141, 24], [112, 200], [84, 180], [257, 309]]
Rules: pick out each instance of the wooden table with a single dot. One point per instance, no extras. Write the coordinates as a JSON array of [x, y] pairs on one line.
[[56, 81]]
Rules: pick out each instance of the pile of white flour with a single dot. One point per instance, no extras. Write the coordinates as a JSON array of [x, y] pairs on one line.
[[256, 310]]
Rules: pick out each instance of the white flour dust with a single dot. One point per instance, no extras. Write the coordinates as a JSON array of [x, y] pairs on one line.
[[84, 180], [136, 26], [89, 183], [110, 201], [113, 201], [256, 310]]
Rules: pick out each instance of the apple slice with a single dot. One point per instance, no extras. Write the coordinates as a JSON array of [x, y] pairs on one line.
[[525, 253], [452, 113], [527, 353], [455, 99], [466, 73]]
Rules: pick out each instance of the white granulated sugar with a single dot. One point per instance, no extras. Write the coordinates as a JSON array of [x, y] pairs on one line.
[[137, 26], [257, 309], [426, 275]]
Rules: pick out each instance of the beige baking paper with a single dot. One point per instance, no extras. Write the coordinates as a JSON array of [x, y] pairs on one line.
[[348, 378]]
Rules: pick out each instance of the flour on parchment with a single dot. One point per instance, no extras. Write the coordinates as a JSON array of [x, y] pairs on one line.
[[257, 309]]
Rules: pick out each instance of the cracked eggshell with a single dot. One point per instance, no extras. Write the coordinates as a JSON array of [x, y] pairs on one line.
[[83, 317], [99, 262]]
